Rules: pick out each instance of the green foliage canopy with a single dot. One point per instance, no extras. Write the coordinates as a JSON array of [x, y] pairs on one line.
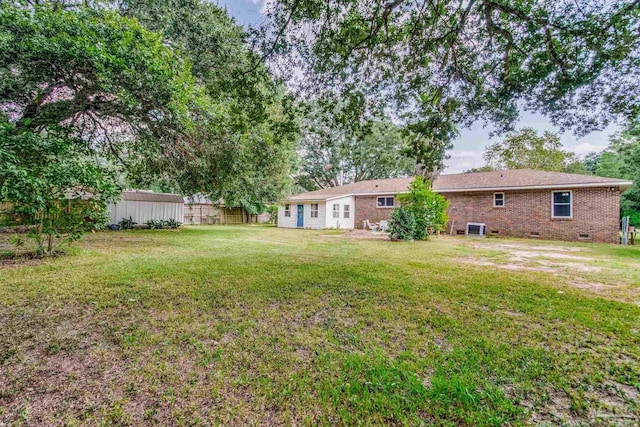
[[622, 160], [53, 182], [332, 154], [104, 76], [445, 64], [170, 106], [245, 154], [528, 150]]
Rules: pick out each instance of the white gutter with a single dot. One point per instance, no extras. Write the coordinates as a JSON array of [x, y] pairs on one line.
[[291, 201]]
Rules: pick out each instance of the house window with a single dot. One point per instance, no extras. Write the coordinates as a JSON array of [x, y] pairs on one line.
[[314, 210], [347, 213], [498, 200], [386, 201], [562, 204], [287, 210], [336, 211]]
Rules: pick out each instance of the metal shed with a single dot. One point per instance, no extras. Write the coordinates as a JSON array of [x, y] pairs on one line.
[[144, 205]]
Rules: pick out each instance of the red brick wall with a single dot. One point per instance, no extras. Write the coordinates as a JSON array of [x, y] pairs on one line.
[[596, 212], [367, 208]]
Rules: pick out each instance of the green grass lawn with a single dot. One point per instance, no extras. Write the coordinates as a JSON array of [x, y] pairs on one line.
[[265, 326]]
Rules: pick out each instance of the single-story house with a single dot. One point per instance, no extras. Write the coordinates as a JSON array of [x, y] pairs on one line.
[[145, 205], [519, 203]]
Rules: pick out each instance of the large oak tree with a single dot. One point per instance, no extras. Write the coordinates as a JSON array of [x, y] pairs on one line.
[[158, 88], [332, 154], [445, 63]]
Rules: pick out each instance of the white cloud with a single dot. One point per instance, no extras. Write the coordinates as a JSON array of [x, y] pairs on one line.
[[584, 148], [462, 160], [265, 5]]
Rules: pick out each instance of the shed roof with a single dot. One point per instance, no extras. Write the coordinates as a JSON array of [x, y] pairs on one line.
[[520, 179], [150, 196]]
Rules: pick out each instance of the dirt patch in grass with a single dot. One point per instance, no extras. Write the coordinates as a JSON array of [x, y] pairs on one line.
[[555, 411], [576, 267], [533, 247], [356, 234], [592, 286], [509, 266], [20, 261], [366, 235], [60, 361], [526, 255]]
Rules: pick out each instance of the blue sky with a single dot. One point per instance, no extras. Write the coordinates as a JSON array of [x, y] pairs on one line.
[[468, 147]]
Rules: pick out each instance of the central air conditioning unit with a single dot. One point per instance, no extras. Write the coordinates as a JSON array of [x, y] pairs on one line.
[[475, 229]]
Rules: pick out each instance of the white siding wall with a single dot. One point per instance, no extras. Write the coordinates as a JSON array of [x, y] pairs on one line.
[[286, 221], [308, 222], [141, 212], [341, 222], [316, 223]]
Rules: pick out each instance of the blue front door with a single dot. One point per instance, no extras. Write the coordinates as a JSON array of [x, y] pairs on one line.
[[300, 215]]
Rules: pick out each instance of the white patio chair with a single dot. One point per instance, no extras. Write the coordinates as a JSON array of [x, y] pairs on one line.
[[370, 225], [384, 224]]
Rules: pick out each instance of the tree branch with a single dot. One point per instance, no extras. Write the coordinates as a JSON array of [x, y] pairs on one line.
[[275, 41]]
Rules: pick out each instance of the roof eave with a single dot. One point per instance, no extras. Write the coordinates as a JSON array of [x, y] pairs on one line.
[[315, 199], [622, 184], [338, 196]]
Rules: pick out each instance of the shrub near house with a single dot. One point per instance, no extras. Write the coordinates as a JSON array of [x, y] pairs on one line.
[[52, 186], [429, 209]]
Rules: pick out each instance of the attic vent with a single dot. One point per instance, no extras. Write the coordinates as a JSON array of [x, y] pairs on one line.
[[534, 234], [475, 229], [583, 235]]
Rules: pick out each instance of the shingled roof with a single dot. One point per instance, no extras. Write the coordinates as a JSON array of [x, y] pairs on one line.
[[375, 186], [520, 179]]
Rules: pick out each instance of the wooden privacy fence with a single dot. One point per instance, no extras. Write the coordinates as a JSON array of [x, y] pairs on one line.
[[204, 213], [200, 214]]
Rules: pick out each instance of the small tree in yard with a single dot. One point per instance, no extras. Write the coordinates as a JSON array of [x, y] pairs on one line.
[[54, 185], [429, 209], [402, 225]]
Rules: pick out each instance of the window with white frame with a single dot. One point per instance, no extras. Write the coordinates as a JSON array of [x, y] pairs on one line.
[[347, 211], [314, 210], [386, 201], [287, 210], [336, 211], [498, 200], [562, 204]]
